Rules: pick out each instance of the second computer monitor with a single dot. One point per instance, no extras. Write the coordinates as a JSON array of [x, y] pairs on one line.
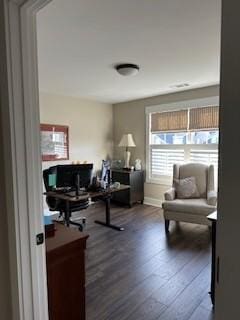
[[106, 171], [67, 175]]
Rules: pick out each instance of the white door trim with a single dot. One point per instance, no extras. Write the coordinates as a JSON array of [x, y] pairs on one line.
[[21, 145]]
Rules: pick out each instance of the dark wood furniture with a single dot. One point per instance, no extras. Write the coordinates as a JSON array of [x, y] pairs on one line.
[[213, 218], [104, 195], [66, 273], [135, 179], [49, 227]]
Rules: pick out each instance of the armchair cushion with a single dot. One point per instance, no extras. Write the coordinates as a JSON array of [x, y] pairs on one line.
[[197, 170], [186, 188], [191, 206], [212, 198], [170, 194]]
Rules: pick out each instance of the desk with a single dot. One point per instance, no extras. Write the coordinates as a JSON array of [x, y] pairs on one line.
[[65, 255], [213, 218], [104, 195]]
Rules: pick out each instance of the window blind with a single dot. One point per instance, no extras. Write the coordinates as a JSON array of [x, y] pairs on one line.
[[162, 160], [203, 118], [199, 147], [204, 156], [169, 121]]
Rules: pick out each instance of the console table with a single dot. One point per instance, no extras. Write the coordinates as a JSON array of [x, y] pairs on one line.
[[66, 273], [135, 179]]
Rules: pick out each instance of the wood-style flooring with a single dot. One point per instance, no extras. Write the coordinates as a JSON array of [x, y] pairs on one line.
[[140, 274]]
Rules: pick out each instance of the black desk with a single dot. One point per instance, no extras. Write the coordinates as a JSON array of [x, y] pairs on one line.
[[213, 218], [104, 195]]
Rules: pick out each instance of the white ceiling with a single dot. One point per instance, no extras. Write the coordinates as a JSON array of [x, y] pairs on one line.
[[173, 41]]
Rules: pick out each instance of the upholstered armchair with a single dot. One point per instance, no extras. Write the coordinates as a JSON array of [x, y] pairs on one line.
[[193, 209]]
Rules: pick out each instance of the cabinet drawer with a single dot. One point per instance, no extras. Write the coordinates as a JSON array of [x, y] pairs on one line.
[[121, 177], [132, 178]]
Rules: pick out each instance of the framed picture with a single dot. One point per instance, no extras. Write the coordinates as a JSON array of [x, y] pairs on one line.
[[54, 142]]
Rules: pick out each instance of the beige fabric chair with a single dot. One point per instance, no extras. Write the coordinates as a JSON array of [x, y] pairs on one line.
[[191, 210]]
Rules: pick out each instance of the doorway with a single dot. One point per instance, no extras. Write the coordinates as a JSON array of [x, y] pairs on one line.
[[26, 173]]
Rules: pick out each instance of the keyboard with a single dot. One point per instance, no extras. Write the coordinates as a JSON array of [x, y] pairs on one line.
[[62, 191]]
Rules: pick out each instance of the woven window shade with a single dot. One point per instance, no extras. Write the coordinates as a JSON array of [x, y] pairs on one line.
[[169, 121], [204, 118]]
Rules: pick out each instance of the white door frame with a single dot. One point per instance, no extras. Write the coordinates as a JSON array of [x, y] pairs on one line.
[[22, 158]]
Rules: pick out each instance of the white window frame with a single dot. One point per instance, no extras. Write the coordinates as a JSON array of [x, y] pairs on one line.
[[180, 105]]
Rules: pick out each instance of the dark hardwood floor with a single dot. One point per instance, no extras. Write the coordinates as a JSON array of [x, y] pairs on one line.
[[140, 274]]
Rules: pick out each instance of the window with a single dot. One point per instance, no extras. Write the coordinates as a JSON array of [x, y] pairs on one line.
[[187, 135]]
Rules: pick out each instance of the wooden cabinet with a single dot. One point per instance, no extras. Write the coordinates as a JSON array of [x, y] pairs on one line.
[[66, 274], [136, 181]]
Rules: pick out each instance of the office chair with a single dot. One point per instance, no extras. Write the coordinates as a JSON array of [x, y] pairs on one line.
[[60, 205]]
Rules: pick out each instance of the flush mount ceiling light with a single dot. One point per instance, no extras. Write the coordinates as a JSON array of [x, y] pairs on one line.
[[127, 69]]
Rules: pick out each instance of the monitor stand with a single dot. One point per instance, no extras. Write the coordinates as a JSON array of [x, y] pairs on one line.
[[77, 185]]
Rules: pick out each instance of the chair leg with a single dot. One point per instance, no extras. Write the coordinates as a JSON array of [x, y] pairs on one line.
[[167, 222]]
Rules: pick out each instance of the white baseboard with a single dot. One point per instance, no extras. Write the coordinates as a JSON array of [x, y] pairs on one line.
[[153, 202]]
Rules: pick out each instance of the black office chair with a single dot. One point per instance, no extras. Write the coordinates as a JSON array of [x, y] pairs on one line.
[[60, 205]]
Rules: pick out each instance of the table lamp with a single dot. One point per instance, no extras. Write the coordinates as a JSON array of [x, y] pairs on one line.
[[127, 141]]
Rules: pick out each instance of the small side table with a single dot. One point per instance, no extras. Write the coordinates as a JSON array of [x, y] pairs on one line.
[[213, 218]]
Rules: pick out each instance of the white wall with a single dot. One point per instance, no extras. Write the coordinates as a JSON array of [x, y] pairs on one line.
[[130, 117], [90, 127]]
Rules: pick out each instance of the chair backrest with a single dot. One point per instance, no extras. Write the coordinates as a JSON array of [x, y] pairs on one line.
[[57, 204], [46, 174], [203, 173]]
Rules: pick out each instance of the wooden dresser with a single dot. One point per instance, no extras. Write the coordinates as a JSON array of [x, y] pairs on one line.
[[66, 273], [135, 179]]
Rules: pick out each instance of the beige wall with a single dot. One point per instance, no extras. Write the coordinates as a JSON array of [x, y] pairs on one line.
[[90, 126], [130, 117]]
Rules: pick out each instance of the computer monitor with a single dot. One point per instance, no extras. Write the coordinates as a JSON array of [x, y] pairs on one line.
[[66, 175], [106, 171]]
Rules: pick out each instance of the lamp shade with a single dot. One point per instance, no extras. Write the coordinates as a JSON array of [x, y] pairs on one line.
[[127, 141]]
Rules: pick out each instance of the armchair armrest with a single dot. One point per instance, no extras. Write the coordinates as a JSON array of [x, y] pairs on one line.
[[212, 198], [170, 194]]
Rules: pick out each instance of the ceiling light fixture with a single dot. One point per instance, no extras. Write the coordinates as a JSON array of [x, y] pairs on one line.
[[127, 69]]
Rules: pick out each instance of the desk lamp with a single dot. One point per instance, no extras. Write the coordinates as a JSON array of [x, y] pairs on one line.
[[127, 141]]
